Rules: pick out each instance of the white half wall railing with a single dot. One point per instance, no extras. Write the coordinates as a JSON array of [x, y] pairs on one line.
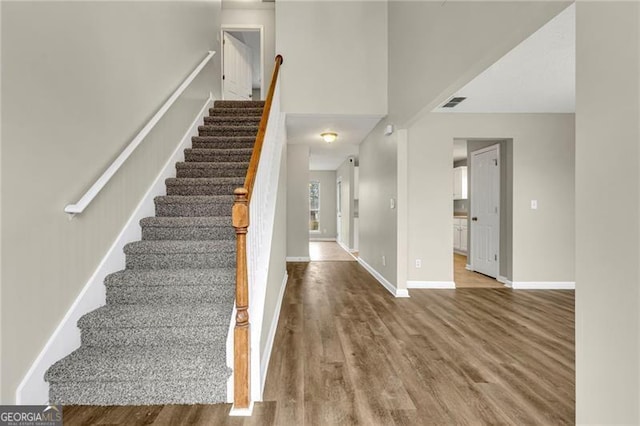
[[262, 209], [91, 193]]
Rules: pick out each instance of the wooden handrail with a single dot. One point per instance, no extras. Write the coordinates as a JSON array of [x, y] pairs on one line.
[[240, 221], [250, 180]]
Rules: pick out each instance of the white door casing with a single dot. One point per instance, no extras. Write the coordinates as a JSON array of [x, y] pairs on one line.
[[237, 77], [485, 210], [339, 211]]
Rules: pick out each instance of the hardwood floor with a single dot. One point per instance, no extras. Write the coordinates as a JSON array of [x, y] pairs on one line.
[[347, 353], [322, 251], [468, 279]]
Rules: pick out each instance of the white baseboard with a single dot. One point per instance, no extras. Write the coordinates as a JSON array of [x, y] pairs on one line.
[[397, 292], [33, 390], [298, 259], [273, 327], [344, 246], [504, 280], [241, 412], [321, 239], [468, 267], [543, 285], [431, 284]]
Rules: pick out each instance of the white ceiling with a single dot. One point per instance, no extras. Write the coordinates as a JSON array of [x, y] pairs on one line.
[[536, 76], [305, 130]]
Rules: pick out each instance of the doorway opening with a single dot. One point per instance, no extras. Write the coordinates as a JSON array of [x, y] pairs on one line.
[[243, 62], [482, 211]]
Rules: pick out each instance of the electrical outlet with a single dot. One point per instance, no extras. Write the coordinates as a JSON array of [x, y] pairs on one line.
[[418, 263], [384, 260]]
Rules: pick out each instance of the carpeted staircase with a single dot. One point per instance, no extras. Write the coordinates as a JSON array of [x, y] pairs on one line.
[[160, 339]]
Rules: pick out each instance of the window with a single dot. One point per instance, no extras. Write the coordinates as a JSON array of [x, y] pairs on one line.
[[314, 206]]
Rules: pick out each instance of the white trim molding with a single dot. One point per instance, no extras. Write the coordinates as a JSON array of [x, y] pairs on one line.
[[396, 292], [344, 246], [241, 412], [543, 285], [33, 390], [273, 327], [431, 284], [321, 239], [504, 280], [298, 259], [469, 268]]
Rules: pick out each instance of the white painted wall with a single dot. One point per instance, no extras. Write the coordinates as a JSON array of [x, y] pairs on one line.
[[378, 185], [335, 54], [607, 213], [79, 80], [543, 169], [436, 48], [328, 210], [298, 202]]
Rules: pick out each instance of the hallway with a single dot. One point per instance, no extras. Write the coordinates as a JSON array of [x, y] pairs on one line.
[[348, 353], [323, 251]]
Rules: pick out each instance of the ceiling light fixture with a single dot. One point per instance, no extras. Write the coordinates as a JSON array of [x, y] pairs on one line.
[[329, 136]]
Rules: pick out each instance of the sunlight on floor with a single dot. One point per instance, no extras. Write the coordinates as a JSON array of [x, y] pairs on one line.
[[328, 251]]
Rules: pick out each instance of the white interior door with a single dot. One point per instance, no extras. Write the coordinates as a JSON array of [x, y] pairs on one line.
[[485, 210], [237, 74]]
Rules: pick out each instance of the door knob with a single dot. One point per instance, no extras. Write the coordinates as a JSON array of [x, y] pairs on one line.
[[475, 219]]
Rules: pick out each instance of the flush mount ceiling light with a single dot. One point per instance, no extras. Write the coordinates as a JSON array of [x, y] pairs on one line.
[[329, 136]]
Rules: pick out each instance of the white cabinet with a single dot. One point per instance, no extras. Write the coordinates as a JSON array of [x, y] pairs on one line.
[[460, 235], [460, 183]]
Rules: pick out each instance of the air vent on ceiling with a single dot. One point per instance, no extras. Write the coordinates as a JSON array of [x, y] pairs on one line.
[[453, 102]]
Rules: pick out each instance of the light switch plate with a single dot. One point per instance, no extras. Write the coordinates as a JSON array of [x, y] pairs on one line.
[[534, 204], [392, 203]]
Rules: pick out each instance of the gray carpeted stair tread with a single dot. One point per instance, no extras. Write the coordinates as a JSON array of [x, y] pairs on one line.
[[193, 205], [205, 181], [227, 130], [182, 247], [139, 392], [193, 199], [233, 120], [170, 295], [203, 186], [181, 254], [237, 155], [173, 277], [217, 112], [170, 316], [187, 228], [222, 145], [212, 165], [220, 151], [186, 222], [120, 363], [223, 139], [238, 104], [204, 169]]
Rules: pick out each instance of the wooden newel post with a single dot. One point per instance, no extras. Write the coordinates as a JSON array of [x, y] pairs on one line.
[[240, 220]]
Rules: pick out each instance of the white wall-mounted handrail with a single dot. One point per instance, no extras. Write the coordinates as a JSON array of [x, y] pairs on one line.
[[118, 162]]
